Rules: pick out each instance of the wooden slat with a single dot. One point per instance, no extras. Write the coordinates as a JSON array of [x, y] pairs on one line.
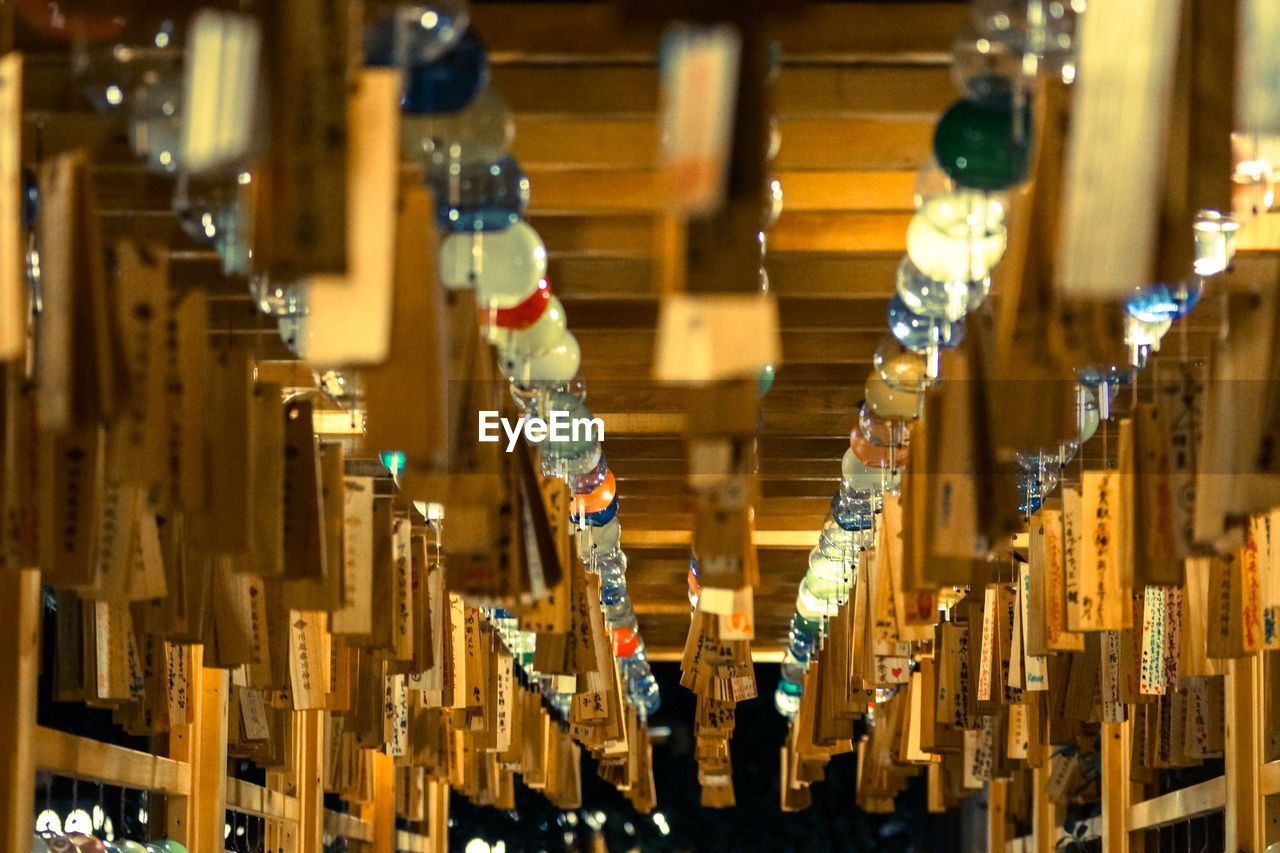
[[438, 814], [256, 800], [94, 761], [412, 842], [773, 422], [829, 32], [380, 814], [347, 826], [901, 92], [1045, 822], [1181, 805], [1116, 788], [776, 487], [20, 663], [635, 346], [862, 282], [997, 814], [1244, 813], [616, 192], [310, 732], [639, 538], [862, 143], [776, 447], [1269, 778], [577, 186]]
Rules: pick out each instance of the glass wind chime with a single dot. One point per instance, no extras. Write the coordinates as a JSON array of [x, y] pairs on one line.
[[957, 235], [981, 148], [460, 130]]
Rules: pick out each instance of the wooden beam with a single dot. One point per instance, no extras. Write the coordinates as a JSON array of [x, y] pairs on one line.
[[614, 192], [93, 761], [580, 186], [898, 92], [347, 826], [636, 346], [863, 143], [862, 280], [411, 842], [658, 538], [250, 799], [828, 32], [1269, 778], [784, 423]]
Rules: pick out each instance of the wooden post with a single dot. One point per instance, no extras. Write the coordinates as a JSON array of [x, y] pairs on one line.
[[1116, 787], [381, 813], [197, 820], [20, 665], [438, 815], [309, 730], [1044, 814], [282, 835], [997, 815], [1244, 813]]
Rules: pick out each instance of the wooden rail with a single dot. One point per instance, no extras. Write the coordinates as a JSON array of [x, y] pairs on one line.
[[93, 761], [412, 842], [251, 799], [1182, 805], [347, 826]]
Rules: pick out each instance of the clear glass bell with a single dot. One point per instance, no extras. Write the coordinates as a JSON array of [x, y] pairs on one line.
[[940, 300], [957, 237], [1143, 338], [277, 298], [1215, 242]]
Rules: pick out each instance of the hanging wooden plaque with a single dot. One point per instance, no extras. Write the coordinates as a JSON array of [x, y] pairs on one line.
[[302, 224], [305, 548], [356, 616], [1157, 557], [226, 523], [1103, 597]]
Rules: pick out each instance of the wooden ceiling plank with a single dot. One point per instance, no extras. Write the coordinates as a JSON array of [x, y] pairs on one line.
[[828, 32], [898, 92], [619, 192], [858, 143], [635, 346]]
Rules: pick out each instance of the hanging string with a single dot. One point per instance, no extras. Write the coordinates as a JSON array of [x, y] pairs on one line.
[[102, 798]]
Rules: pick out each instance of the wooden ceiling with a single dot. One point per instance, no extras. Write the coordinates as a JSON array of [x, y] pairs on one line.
[[861, 87]]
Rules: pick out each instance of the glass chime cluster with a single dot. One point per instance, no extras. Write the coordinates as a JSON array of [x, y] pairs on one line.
[[461, 131], [981, 148]]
